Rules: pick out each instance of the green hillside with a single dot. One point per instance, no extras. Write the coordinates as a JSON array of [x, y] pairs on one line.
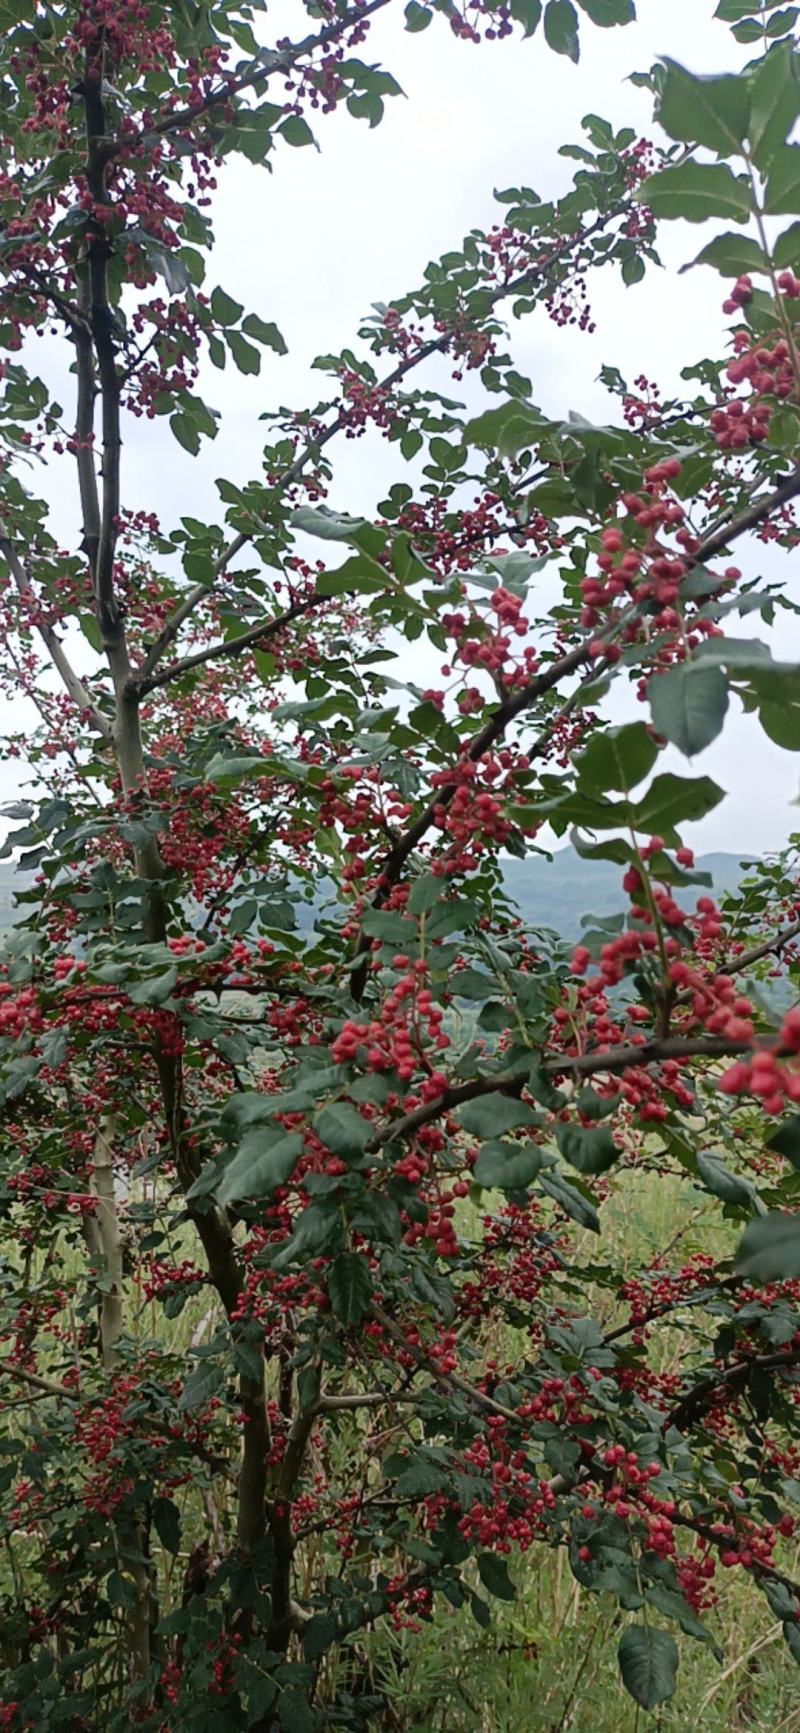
[[548, 893], [558, 893]]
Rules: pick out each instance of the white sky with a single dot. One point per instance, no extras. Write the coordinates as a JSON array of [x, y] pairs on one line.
[[313, 244]]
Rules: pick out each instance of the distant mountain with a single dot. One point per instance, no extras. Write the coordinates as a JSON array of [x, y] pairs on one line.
[[558, 893], [547, 893], [10, 883]]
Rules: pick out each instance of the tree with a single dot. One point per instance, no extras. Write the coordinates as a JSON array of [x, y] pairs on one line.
[[279, 1056]]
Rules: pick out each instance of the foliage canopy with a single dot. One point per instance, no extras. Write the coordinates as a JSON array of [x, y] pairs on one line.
[[307, 1316]]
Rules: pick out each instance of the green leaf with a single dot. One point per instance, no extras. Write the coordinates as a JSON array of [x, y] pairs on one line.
[[633, 270], [155, 989], [121, 1589], [224, 772], [786, 251], [744, 655], [672, 800], [425, 893], [592, 1106], [561, 28], [316, 1230], [367, 105], [260, 1165], [185, 431], [169, 265], [717, 1178], [615, 849], [783, 181], [731, 11], [791, 1632], [714, 112], [572, 1201], [732, 255], [376, 1219], [493, 1572], [617, 758], [295, 1713], [167, 1524], [781, 723], [201, 1385], [648, 1662], [247, 358], [417, 17], [688, 705], [224, 310], [780, 1599], [263, 332], [391, 929], [358, 575], [492, 1115], [696, 191], [332, 526], [755, 29], [318, 1635], [527, 13], [609, 12], [673, 1606], [786, 1141], [784, 432], [342, 1130], [206, 1181], [350, 1287], [242, 917], [471, 984], [452, 917], [506, 429], [769, 1249], [419, 1479], [774, 103], [296, 131], [508, 1166], [589, 1148]]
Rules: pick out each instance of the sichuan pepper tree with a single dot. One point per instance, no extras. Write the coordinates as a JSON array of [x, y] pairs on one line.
[[300, 1121]]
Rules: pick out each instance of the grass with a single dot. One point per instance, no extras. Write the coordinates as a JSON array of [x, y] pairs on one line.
[[550, 1665], [547, 1663]]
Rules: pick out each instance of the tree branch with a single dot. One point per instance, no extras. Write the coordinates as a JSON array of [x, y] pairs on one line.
[[614, 1059], [267, 628], [517, 285], [84, 428], [536, 688], [101, 325], [721, 538], [260, 71], [370, 1399], [698, 1398], [746, 960], [100, 525], [78, 692], [61, 1391], [450, 1380]]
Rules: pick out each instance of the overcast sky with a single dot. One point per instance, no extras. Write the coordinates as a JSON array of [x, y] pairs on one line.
[[313, 244]]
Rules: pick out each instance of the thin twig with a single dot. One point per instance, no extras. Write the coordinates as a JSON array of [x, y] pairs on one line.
[[312, 448], [78, 691]]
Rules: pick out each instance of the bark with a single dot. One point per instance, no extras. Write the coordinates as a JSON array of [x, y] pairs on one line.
[[109, 1242], [98, 376]]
